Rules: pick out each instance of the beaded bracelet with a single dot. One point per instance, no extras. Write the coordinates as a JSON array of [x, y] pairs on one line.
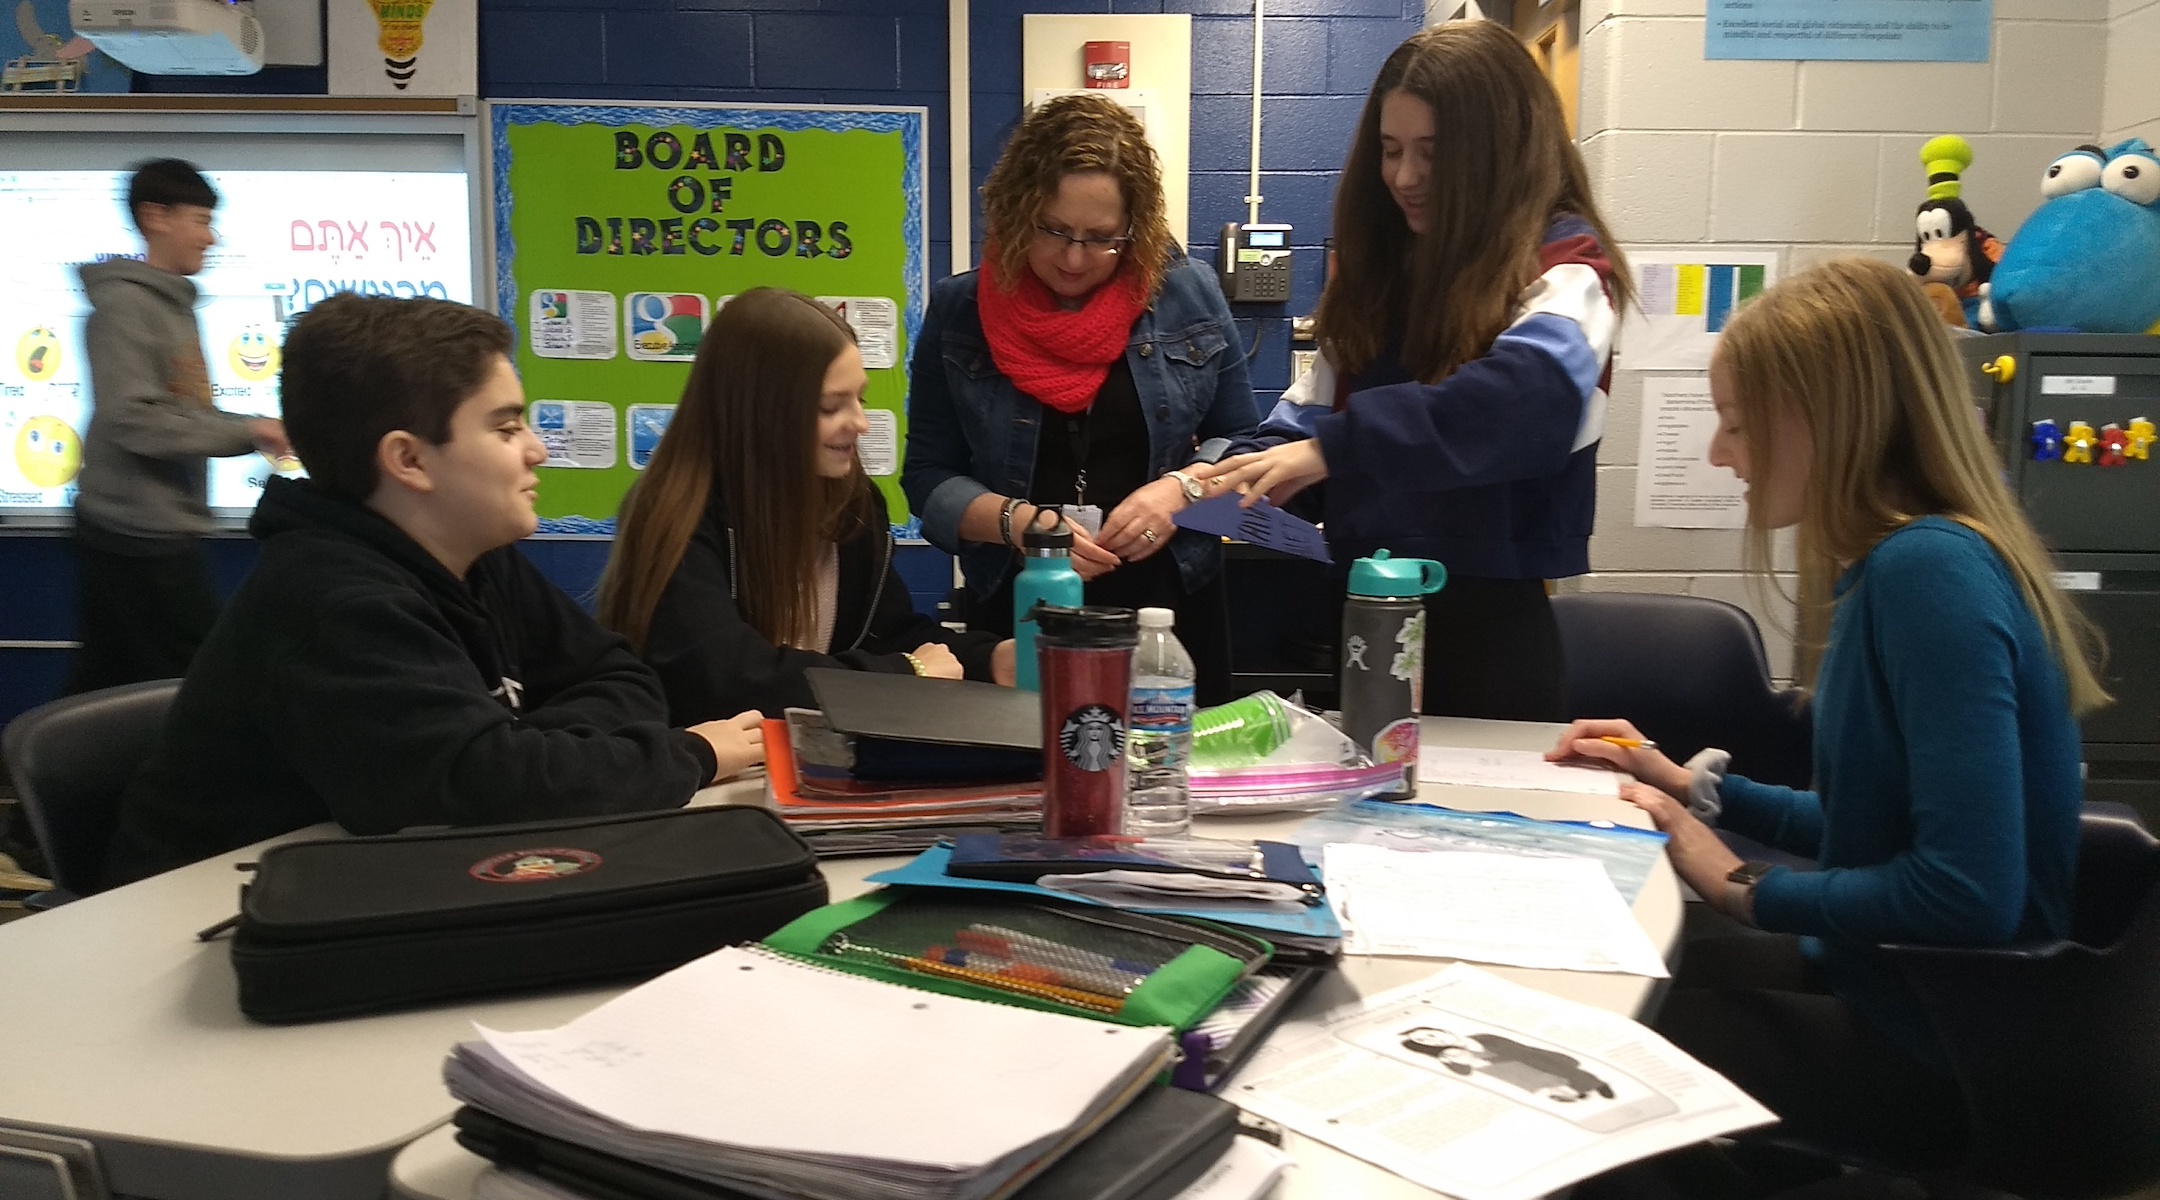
[[1005, 516], [914, 662]]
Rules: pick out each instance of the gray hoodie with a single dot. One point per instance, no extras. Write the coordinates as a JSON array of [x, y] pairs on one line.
[[151, 424]]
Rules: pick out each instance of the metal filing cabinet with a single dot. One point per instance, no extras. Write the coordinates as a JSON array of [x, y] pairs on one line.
[[2101, 517]]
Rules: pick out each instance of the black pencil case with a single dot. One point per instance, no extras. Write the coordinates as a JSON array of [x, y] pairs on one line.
[[338, 928]]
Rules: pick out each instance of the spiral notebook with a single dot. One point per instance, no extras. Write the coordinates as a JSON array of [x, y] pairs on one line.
[[749, 1069]]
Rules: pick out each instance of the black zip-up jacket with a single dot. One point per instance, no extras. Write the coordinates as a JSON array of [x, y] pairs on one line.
[[715, 664], [354, 679]]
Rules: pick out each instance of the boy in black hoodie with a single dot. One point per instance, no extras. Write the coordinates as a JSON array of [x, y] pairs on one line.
[[394, 660]]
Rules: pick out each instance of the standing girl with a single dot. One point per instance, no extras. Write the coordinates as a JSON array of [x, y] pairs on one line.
[[1459, 396], [755, 547]]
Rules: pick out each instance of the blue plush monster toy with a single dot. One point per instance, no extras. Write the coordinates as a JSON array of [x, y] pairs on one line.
[[2088, 259]]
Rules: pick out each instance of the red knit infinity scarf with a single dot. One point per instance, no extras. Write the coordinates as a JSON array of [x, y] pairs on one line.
[[1060, 357]]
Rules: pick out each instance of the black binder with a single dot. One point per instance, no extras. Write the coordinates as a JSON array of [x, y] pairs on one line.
[[1153, 1150], [907, 727]]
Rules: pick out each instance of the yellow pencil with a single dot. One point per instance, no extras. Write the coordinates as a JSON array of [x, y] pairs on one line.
[[1628, 743]]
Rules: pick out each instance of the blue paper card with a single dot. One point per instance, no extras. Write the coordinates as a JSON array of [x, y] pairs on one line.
[[1262, 525]]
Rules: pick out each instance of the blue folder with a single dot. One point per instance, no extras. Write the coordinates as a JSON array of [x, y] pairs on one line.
[[928, 870]]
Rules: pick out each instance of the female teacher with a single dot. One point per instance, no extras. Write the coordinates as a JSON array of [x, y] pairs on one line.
[[1081, 366]]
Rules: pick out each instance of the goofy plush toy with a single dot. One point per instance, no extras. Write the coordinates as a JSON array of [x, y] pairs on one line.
[[1952, 255], [2088, 259]]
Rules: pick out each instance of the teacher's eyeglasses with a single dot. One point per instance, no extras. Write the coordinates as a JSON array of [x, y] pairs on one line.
[[1092, 245]]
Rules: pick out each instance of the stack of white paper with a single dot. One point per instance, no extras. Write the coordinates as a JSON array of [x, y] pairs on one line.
[[1557, 913], [756, 1071]]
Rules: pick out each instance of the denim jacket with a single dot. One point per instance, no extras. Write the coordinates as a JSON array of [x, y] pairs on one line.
[[970, 431]]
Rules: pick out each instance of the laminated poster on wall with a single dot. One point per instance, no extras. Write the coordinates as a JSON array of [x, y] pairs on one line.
[[1675, 485], [622, 231], [1683, 300], [403, 47], [1849, 30]]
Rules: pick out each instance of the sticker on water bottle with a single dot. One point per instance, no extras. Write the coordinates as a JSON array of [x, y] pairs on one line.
[[1092, 738], [1409, 665], [1165, 710], [1396, 742]]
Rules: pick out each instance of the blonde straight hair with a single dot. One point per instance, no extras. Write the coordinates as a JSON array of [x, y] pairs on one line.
[[1856, 351]]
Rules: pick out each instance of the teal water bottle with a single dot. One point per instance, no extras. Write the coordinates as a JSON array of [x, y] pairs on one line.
[[1383, 658], [1046, 575]]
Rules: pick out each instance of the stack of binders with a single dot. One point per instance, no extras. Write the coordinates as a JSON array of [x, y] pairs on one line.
[[810, 783], [748, 1073]]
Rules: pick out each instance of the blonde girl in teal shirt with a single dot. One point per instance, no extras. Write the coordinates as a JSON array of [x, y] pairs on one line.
[[1950, 676]]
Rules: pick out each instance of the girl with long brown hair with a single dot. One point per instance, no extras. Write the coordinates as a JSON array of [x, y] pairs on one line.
[[755, 547], [1464, 335], [1080, 367], [1947, 677]]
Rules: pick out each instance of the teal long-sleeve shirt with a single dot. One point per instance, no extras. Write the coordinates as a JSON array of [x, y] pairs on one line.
[[1947, 775]]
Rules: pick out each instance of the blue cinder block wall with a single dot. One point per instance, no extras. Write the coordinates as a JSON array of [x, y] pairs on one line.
[[1321, 57]]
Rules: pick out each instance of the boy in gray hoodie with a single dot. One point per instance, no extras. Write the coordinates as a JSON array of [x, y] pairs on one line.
[[144, 592]]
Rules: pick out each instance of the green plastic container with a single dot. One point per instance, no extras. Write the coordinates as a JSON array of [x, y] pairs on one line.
[[1241, 732]]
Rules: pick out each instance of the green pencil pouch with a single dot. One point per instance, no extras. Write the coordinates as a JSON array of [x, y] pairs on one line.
[[1085, 960]]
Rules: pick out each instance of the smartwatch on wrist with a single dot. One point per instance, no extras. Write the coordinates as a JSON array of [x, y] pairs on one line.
[[1194, 491], [1740, 890]]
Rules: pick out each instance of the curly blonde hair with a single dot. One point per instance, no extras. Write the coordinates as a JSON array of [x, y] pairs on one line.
[[1070, 135]]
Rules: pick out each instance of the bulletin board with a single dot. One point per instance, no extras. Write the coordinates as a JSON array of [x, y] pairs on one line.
[[621, 228]]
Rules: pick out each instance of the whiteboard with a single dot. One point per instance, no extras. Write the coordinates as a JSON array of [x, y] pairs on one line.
[[311, 204]]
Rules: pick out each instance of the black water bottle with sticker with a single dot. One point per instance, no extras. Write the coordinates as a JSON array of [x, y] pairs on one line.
[[1383, 658]]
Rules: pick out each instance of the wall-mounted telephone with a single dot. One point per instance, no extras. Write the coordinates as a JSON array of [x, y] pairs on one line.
[[1253, 263]]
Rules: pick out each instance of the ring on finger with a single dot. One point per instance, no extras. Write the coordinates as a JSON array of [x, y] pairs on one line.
[[1149, 534]]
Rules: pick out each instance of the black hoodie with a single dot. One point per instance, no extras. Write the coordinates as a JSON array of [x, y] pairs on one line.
[[715, 664], [354, 679]]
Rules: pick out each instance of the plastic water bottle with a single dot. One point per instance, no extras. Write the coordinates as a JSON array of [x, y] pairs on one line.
[[1046, 575], [1158, 740]]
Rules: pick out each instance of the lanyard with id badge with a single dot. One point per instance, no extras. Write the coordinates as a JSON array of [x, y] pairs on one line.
[[1080, 436]]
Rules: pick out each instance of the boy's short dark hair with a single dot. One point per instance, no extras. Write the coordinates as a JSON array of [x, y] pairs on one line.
[[358, 367], [167, 181]]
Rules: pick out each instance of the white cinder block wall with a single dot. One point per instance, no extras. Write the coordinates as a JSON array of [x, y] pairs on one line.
[[2132, 104], [1812, 160]]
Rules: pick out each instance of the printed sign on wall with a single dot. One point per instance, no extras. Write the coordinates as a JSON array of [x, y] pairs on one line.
[[622, 230], [1869, 30], [404, 47]]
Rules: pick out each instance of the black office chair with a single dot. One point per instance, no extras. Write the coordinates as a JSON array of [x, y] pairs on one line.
[[2055, 1046], [71, 760], [1688, 671]]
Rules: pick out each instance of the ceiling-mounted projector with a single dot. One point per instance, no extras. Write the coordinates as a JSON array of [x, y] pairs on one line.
[[174, 37]]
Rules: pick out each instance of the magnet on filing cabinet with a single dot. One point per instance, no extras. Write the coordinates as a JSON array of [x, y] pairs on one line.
[[2078, 443], [2046, 441], [2112, 441], [2141, 439]]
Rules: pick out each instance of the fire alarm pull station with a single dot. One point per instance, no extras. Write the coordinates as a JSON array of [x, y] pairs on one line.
[[1254, 263]]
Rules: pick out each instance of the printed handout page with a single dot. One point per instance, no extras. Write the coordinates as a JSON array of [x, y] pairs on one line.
[[1525, 769], [1487, 1090], [1554, 913], [1676, 487]]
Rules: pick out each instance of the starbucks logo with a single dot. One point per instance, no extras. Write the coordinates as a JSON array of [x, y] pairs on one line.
[[1093, 738]]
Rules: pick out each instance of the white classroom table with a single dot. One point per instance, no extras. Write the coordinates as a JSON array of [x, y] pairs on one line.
[[437, 1168], [117, 1026]]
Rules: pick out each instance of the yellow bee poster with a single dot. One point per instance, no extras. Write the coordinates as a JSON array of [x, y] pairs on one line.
[[621, 229], [404, 47]]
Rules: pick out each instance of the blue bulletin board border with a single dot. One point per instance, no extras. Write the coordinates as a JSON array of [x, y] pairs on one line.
[[1849, 30], [911, 123]]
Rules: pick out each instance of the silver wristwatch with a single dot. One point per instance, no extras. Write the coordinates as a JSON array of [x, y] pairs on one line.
[[1193, 489]]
